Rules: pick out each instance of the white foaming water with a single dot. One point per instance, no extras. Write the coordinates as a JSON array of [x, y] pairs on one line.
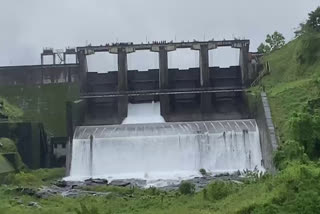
[[144, 113], [169, 151]]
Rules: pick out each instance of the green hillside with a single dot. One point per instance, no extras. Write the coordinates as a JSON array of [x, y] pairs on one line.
[[291, 84]]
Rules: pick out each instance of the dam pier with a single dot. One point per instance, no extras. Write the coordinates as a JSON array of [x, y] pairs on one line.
[[175, 87]]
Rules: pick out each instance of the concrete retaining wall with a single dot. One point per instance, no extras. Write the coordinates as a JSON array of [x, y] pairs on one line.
[[261, 112]]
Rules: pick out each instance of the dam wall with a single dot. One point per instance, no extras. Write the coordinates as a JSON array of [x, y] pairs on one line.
[[42, 91], [178, 78], [39, 74], [180, 107], [268, 138], [261, 112]]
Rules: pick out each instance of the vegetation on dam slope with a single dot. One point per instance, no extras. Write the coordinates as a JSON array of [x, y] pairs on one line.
[[9, 111], [293, 84], [43, 103]]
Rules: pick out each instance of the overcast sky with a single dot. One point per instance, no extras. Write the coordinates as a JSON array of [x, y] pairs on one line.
[[29, 25]]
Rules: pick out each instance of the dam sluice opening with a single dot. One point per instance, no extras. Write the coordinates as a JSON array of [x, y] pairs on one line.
[[158, 150]]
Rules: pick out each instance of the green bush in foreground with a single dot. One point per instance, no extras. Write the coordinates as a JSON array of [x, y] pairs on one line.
[[288, 152], [203, 172], [218, 190], [187, 188], [35, 178], [296, 189], [7, 145]]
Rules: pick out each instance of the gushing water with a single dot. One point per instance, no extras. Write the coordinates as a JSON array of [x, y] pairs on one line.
[[165, 150], [144, 113]]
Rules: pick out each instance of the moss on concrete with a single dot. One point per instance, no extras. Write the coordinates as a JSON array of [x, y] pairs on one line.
[[7, 145], [5, 166], [43, 103], [12, 112], [8, 149]]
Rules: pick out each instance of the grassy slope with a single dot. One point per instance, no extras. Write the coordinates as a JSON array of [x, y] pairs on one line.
[[252, 197], [289, 85]]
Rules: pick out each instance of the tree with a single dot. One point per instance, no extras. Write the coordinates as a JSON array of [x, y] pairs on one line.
[[312, 24], [273, 42], [263, 48], [314, 20], [300, 30]]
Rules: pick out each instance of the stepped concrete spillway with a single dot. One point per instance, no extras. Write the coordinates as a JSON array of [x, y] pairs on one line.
[[165, 150]]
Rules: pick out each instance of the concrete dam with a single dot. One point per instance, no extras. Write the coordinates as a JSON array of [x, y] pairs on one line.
[[164, 123]]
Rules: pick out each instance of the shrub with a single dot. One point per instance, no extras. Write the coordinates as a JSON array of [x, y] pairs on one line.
[[49, 174], [266, 209], [273, 42], [23, 179], [314, 20], [309, 48], [304, 128], [205, 194], [153, 191], [289, 151], [203, 172], [218, 190], [187, 188], [7, 145], [35, 177]]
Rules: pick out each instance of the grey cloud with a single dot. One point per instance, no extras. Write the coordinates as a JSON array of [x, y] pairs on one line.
[[28, 26]]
